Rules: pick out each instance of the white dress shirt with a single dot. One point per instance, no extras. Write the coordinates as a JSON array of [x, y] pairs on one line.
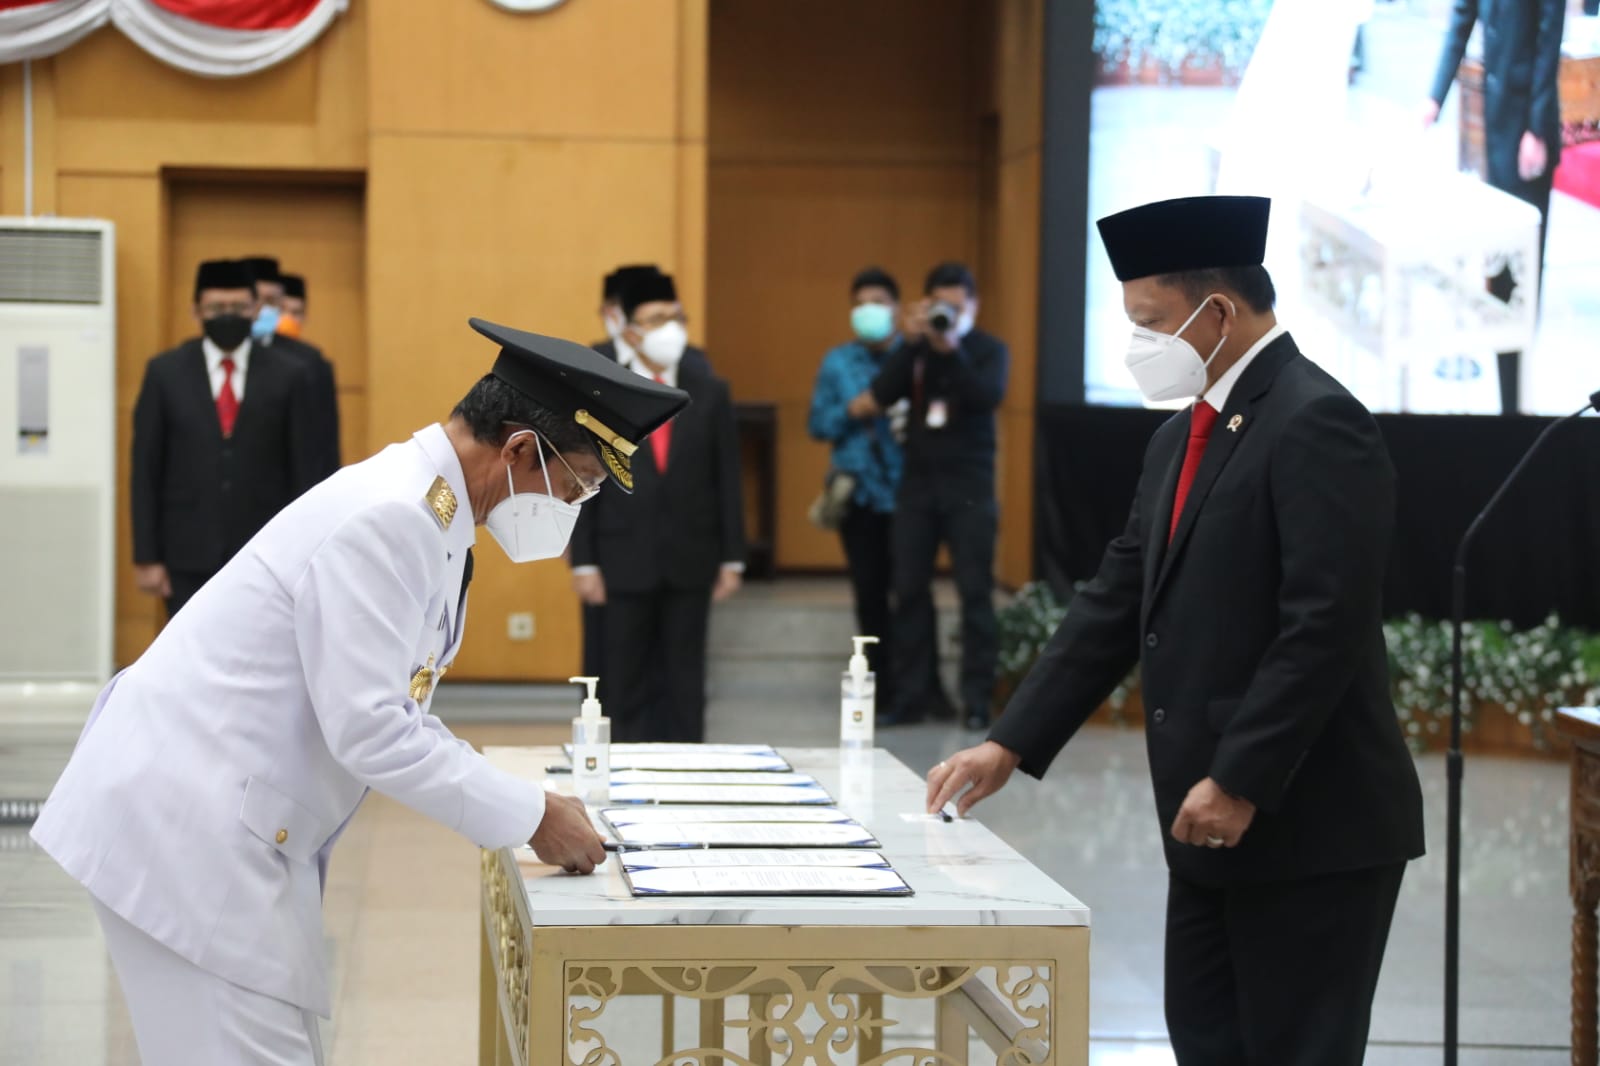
[[214, 358], [1217, 395]]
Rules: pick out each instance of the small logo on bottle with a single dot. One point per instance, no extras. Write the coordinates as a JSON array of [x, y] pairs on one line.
[[591, 764], [855, 716]]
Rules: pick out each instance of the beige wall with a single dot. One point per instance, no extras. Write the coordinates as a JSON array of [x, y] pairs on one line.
[[864, 145], [449, 159]]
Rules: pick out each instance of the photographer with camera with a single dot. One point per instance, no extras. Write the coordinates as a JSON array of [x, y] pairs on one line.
[[955, 377]]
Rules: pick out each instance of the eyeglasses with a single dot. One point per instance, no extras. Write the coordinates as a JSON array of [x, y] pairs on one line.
[[657, 321], [585, 492], [237, 307]]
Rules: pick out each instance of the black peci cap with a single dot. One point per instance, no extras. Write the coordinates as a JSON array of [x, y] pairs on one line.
[[261, 267], [1193, 233], [611, 288], [619, 407], [222, 274], [293, 285], [638, 289]]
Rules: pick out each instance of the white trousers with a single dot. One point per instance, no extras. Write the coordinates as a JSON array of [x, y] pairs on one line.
[[184, 1016]]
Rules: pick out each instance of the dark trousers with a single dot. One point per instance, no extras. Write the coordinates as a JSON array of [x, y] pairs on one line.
[[184, 585], [865, 534], [594, 639], [1278, 974], [1536, 192], [964, 521], [655, 654]]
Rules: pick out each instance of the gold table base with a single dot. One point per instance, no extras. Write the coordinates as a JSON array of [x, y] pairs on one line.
[[816, 994]]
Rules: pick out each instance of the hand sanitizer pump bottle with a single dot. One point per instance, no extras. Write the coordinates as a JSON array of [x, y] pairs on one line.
[[591, 749], [857, 693]]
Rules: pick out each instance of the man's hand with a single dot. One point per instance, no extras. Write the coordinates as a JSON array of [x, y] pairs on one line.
[[566, 838], [152, 578], [1210, 818], [591, 588], [1532, 157], [1429, 114], [986, 768], [729, 578], [864, 406]]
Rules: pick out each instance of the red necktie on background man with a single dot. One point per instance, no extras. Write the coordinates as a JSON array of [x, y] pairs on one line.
[[227, 400], [661, 440], [1201, 419]]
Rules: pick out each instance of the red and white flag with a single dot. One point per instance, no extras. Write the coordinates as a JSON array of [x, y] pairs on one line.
[[211, 38]]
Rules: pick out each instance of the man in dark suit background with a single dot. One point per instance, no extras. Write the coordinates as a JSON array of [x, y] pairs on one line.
[[1521, 112], [269, 288], [1247, 585], [221, 441], [954, 374], [616, 348], [658, 558]]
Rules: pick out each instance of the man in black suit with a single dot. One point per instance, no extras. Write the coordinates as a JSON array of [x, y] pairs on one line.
[[615, 347], [658, 558], [1247, 585], [270, 291], [954, 374], [221, 441], [1521, 112]]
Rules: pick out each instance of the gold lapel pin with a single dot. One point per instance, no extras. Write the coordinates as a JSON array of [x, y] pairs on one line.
[[1234, 423]]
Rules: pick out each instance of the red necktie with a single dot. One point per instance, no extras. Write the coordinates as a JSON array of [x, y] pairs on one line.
[[1201, 418], [661, 440], [227, 401]]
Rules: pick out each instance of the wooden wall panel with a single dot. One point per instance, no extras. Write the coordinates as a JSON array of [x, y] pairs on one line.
[[577, 143], [784, 243], [594, 70], [828, 152]]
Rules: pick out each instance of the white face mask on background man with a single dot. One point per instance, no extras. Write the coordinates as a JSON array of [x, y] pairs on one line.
[[1167, 367], [665, 344], [529, 526]]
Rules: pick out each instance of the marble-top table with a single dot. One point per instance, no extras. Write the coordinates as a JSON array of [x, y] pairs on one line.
[[998, 949]]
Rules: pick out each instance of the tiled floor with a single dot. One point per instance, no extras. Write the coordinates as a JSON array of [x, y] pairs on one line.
[[401, 902]]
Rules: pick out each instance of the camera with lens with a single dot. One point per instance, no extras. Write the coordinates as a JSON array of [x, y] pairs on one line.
[[942, 317]]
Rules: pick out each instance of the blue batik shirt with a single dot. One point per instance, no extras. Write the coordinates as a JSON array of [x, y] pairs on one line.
[[864, 448]]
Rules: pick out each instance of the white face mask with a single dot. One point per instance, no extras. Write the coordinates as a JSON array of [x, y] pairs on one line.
[[615, 324], [664, 345], [968, 319], [528, 526], [1167, 367]]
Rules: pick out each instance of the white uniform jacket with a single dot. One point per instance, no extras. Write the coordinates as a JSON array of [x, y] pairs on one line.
[[216, 772]]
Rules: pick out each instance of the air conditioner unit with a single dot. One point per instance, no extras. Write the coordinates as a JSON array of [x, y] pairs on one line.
[[58, 428]]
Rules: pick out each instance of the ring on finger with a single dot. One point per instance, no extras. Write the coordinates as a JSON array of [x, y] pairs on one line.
[[1214, 842]]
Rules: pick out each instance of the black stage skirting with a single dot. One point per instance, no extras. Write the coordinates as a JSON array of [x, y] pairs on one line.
[[1539, 552]]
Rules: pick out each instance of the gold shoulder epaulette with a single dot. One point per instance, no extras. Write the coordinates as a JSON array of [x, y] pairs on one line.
[[441, 501]]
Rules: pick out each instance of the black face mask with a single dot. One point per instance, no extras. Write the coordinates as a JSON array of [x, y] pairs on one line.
[[227, 331]]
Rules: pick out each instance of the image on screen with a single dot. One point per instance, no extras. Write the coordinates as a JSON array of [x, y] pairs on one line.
[[1413, 256]]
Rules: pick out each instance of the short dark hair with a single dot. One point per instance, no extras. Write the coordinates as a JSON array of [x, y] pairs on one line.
[[491, 403], [950, 273], [1252, 284], [875, 276]]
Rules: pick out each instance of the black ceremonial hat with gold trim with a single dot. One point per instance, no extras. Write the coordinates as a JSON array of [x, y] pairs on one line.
[[619, 407]]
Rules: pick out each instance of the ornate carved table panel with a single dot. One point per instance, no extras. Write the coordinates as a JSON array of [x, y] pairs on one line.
[[1581, 725], [578, 973]]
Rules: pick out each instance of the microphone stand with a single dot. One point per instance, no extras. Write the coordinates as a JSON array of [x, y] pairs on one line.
[[1453, 765]]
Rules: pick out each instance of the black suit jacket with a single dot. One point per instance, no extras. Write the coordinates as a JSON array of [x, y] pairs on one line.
[[970, 382], [197, 497], [677, 529], [1521, 59], [1258, 630], [323, 396], [693, 358]]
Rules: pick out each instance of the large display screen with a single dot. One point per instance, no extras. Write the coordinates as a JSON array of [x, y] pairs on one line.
[[1400, 266]]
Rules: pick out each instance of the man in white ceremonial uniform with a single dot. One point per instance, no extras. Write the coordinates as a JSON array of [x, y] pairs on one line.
[[215, 774]]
